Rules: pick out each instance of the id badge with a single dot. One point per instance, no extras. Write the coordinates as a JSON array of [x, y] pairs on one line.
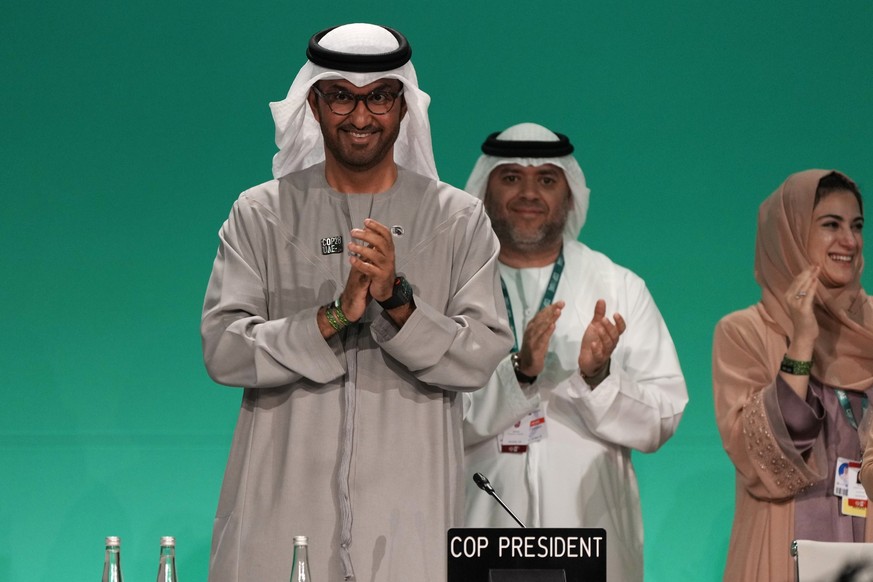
[[530, 429], [855, 502], [841, 475], [515, 438], [537, 425]]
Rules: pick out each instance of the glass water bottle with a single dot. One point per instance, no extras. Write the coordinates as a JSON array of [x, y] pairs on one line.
[[167, 566], [300, 568], [112, 560]]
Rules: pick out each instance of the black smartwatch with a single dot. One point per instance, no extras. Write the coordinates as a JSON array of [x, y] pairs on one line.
[[401, 294]]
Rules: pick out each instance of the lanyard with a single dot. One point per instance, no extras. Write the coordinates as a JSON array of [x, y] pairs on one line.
[[847, 408], [548, 296]]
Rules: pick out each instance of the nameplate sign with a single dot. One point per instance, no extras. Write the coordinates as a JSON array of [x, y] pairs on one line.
[[526, 555]]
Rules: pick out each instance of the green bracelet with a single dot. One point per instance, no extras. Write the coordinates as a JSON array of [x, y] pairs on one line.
[[796, 367], [331, 318], [338, 312]]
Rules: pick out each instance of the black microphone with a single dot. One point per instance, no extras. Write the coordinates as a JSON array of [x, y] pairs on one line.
[[484, 484]]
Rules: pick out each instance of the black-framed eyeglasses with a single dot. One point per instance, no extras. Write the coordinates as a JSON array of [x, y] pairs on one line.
[[344, 102]]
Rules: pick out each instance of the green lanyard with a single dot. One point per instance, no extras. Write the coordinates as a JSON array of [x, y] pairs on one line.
[[548, 297], [847, 408]]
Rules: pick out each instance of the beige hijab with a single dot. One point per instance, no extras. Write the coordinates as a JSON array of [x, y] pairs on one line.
[[843, 355]]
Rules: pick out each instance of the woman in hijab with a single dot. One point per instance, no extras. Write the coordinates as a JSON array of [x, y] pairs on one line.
[[791, 376]]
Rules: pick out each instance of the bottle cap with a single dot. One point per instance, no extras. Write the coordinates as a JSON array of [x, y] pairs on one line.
[[168, 541], [301, 541], [113, 541]]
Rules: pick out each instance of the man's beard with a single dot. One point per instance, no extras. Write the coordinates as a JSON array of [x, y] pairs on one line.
[[360, 161], [546, 236]]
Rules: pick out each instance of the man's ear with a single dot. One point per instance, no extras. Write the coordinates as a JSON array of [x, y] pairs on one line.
[[312, 99]]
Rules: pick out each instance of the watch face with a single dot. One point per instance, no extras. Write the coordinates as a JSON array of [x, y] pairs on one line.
[[404, 290]]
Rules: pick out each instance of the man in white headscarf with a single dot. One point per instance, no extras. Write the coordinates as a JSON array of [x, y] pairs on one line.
[[554, 428], [354, 297]]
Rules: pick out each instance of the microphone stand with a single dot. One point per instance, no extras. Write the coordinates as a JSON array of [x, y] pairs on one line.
[[485, 485]]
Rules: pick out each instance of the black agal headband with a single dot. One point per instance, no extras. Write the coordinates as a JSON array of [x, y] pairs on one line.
[[358, 63], [499, 148]]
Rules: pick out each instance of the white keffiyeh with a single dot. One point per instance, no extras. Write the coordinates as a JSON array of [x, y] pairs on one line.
[[478, 181], [298, 134]]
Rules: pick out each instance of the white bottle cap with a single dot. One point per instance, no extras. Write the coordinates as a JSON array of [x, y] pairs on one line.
[[113, 541], [168, 541], [301, 541]]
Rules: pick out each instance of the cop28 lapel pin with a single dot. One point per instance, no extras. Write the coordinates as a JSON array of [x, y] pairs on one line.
[[331, 245]]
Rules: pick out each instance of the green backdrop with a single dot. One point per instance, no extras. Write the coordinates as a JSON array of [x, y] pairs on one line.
[[128, 129]]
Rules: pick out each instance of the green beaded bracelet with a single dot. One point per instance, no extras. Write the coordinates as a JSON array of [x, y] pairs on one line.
[[796, 367], [340, 315], [328, 313]]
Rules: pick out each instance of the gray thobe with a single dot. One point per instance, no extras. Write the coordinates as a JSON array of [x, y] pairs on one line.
[[353, 441]]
